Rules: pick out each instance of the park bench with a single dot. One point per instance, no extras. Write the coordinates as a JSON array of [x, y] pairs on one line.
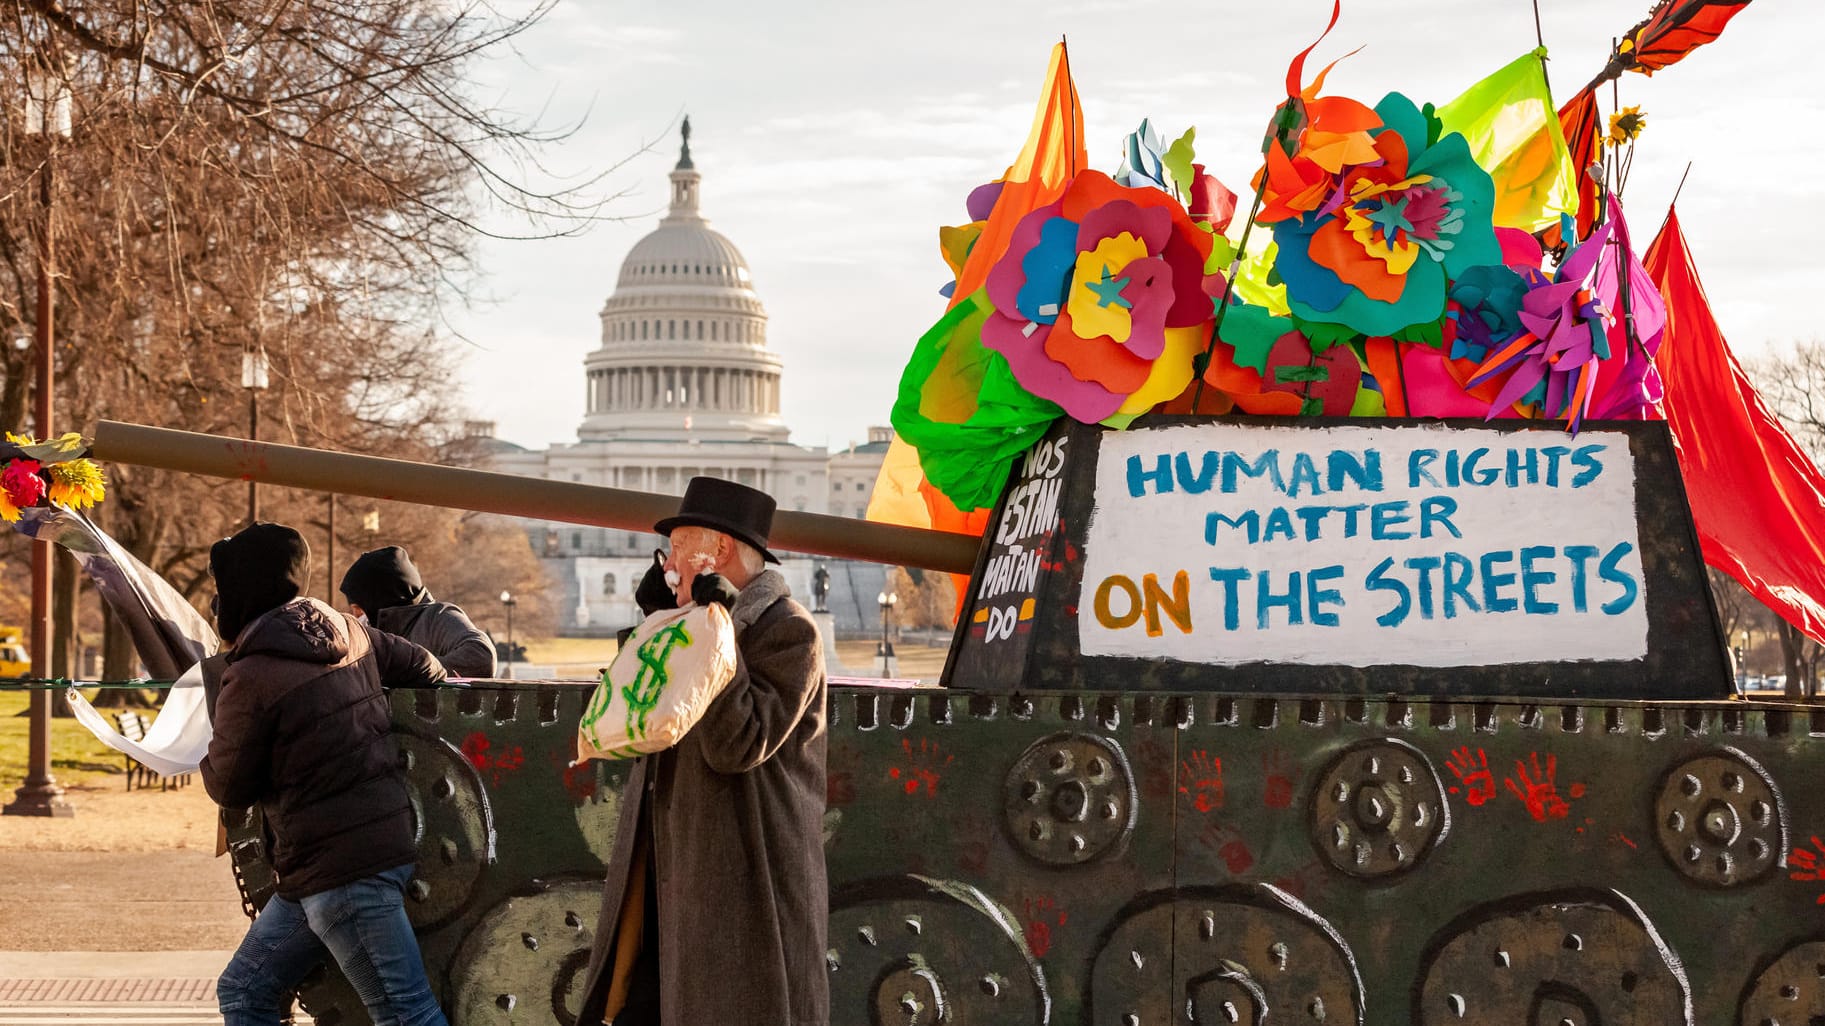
[[133, 727]]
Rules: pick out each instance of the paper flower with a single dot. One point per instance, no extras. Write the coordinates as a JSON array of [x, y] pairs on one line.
[[956, 242], [1143, 164], [1576, 358], [1101, 299], [1374, 243], [76, 484], [1488, 301], [22, 484], [1625, 125]]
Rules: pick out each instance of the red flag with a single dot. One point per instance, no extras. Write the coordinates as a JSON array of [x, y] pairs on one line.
[[1584, 141], [1757, 498], [1673, 29]]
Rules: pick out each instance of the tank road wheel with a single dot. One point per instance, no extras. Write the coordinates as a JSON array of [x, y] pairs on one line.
[[452, 824], [1378, 809], [525, 960], [1789, 991], [1070, 799], [1586, 958], [1245, 954], [1720, 819], [917, 952]]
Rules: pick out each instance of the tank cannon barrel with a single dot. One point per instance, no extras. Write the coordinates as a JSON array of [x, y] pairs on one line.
[[482, 491]]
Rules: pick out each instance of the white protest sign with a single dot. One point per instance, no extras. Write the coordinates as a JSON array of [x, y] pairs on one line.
[[1363, 546]]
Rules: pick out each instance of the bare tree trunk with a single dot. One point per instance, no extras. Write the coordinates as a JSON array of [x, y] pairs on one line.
[[1792, 641], [118, 662], [66, 575]]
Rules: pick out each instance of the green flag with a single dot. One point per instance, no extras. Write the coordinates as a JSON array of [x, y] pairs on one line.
[[1513, 131]]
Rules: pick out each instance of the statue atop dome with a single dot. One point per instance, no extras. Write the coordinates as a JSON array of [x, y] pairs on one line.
[[684, 182]]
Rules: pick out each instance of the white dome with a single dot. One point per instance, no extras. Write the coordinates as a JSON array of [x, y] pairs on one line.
[[684, 336], [687, 253]]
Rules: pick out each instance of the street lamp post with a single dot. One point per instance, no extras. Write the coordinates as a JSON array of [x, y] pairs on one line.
[[254, 379], [509, 601], [883, 653], [47, 114]]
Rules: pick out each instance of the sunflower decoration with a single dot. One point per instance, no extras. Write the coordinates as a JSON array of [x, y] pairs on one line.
[[56, 472], [1625, 125]]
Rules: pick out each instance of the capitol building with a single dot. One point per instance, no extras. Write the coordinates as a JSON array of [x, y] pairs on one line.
[[683, 384]]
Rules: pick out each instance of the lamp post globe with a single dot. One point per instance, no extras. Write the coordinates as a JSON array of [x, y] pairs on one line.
[[509, 601], [883, 655]]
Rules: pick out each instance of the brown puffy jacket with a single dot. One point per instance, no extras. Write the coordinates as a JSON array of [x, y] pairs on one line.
[[303, 730]]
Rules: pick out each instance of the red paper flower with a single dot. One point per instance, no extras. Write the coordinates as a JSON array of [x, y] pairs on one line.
[[22, 483]]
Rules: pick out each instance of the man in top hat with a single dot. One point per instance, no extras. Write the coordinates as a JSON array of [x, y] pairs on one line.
[[715, 905]]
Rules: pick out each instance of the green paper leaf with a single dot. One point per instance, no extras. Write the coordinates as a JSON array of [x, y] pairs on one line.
[[1369, 403], [1288, 375], [1323, 335], [1251, 331], [1311, 407], [1177, 161], [1435, 128], [1429, 333], [1222, 251]]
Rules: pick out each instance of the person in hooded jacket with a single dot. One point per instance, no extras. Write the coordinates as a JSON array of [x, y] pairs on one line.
[[302, 730], [385, 586]]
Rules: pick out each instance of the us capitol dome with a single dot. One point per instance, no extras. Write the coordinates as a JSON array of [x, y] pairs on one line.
[[683, 383]]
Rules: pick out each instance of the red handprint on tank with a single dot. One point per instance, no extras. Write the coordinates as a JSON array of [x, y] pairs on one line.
[[1473, 773], [1808, 864], [1201, 779], [1042, 917], [1153, 763], [1536, 789], [1277, 773], [1230, 846], [839, 776], [924, 767]]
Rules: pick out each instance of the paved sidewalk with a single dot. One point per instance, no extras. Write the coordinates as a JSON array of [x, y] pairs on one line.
[[91, 988], [118, 901], [36, 983]]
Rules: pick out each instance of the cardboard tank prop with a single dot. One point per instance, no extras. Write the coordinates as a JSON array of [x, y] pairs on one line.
[[1337, 647]]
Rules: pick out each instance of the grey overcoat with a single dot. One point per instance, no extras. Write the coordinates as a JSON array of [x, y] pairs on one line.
[[736, 812]]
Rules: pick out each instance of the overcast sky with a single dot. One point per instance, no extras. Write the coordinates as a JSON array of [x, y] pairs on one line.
[[834, 140]]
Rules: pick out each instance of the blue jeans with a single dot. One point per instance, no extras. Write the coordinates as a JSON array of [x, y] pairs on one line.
[[363, 924]]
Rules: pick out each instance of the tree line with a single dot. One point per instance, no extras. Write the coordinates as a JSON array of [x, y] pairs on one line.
[[302, 179]]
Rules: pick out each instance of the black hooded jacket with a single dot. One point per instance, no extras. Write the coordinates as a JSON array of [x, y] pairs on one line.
[[303, 730], [388, 588]]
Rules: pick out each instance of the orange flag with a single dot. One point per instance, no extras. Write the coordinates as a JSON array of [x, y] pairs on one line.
[[1053, 154]]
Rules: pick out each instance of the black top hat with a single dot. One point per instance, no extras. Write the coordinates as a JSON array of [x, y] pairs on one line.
[[734, 509]]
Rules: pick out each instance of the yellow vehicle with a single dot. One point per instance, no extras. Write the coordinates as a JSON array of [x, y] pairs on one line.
[[14, 661]]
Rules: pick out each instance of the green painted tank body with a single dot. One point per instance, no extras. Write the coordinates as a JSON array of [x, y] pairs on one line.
[[1054, 837]]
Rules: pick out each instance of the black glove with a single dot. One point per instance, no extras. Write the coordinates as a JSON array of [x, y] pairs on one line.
[[708, 588], [654, 594]]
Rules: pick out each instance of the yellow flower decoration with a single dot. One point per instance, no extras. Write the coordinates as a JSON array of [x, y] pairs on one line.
[[1625, 125], [8, 511], [75, 484]]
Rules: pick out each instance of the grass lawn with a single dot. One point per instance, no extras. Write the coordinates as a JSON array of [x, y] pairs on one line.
[[75, 754]]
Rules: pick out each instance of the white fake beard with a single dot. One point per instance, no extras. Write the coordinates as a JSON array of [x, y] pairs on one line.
[[672, 580]]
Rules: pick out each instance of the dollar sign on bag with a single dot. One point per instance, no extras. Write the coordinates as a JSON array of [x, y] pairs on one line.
[[643, 694]]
